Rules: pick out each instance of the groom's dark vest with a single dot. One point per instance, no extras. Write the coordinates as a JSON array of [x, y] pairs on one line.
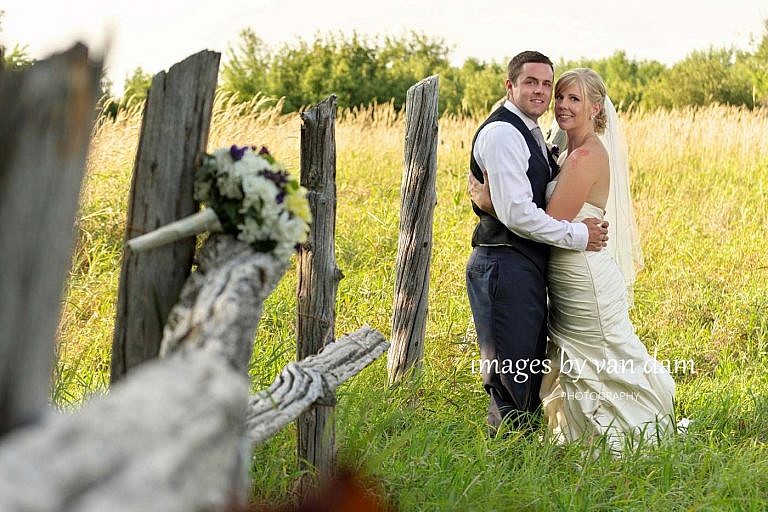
[[489, 230]]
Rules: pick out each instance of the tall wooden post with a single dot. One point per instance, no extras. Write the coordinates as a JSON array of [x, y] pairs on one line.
[[174, 129], [318, 281], [417, 204], [46, 117]]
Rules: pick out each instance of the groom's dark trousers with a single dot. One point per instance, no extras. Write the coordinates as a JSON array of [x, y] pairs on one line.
[[507, 293], [506, 285]]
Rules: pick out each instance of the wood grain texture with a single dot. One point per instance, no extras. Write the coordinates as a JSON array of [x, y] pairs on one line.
[[176, 433], [318, 278], [46, 116], [168, 437], [414, 247], [171, 435], [174, 129], [315, 378], [221, 303]]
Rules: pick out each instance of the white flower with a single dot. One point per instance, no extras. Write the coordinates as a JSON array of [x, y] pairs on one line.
[[252, 231], [229, 186], [259, 192], [202, 190], [224, 163], [251, 164], [290, 230], [227, 180]]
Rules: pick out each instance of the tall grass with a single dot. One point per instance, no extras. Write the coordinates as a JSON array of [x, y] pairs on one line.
[[699, 178]]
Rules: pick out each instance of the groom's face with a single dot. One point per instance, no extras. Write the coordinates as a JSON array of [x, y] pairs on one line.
[[531, 91]]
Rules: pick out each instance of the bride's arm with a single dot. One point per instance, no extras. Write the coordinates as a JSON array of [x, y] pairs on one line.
[[481, 196], [574, 182]]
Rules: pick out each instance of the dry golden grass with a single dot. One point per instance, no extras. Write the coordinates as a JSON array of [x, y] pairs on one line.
[[699, 178]]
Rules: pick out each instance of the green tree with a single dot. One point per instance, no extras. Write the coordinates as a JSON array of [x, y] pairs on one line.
[[244, 72], [702, 78], [348, 67], [627, 80], [451, 91], [358, 70], [135, 88], [15, 58], [409, 59], [754, 66], [485, 85], [297, 74]]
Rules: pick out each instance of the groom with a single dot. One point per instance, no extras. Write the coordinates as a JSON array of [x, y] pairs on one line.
[[506, 273]]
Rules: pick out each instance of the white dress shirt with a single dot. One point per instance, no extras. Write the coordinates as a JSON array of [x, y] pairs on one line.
[[501, 150]]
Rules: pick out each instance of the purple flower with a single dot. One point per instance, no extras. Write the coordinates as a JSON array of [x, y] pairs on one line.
[[237, 153], [555, 150], [280, 179], [263, 150]]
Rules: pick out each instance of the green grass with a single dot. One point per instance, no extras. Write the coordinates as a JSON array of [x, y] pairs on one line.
[[699, 179]]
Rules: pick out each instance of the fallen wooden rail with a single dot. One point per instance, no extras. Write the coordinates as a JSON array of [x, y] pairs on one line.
[[176, 433], [312, 380]]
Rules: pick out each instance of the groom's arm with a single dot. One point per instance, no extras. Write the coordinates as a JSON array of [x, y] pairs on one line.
[[501, 149]]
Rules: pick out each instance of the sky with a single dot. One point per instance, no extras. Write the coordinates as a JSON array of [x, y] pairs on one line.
[[158, 33]]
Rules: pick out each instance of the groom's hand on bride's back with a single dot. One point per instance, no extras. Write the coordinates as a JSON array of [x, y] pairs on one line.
[[598, 233]]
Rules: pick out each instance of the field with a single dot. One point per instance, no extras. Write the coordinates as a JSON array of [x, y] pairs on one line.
[[700, 182]]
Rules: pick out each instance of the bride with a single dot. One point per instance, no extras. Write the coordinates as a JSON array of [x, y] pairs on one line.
[[603, 380]]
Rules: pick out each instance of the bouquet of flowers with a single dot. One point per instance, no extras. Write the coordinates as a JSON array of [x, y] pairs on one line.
[[248, 194]]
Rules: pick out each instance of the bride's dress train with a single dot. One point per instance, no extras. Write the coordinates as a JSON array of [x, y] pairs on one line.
[[603, 380]]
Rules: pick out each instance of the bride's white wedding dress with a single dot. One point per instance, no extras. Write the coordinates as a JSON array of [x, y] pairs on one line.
[[603, 380]]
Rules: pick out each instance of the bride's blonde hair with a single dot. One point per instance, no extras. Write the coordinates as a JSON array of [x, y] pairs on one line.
[[591, 86]]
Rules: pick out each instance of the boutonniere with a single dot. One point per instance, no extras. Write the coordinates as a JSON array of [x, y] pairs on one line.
[[555, 150]]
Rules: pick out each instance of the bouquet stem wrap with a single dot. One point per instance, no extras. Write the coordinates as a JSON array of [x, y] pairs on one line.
[[204, 220], [247, 194]]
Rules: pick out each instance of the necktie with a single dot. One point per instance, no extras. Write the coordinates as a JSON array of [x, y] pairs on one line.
[[536, 132]]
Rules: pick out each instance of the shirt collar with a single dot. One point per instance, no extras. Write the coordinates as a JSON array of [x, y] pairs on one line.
[[530, 123]]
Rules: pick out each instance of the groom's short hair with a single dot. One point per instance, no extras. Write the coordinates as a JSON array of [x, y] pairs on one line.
[[515, 65]]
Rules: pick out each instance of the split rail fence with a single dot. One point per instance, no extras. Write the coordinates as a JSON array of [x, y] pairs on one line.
[[176, 430]]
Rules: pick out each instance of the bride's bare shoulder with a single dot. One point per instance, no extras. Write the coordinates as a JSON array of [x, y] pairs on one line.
[[590, 156], [586, 156]]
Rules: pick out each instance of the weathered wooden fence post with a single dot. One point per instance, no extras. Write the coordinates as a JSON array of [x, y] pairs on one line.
[[174, 129], [318, 281], [175, 434], [417, 204], [46, 116]]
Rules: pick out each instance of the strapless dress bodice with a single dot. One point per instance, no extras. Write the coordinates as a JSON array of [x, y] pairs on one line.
[[587, 209]]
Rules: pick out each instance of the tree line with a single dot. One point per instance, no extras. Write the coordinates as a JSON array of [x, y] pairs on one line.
[[362, 70]]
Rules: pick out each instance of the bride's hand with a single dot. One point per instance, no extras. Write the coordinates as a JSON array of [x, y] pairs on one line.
[[481, 193]]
